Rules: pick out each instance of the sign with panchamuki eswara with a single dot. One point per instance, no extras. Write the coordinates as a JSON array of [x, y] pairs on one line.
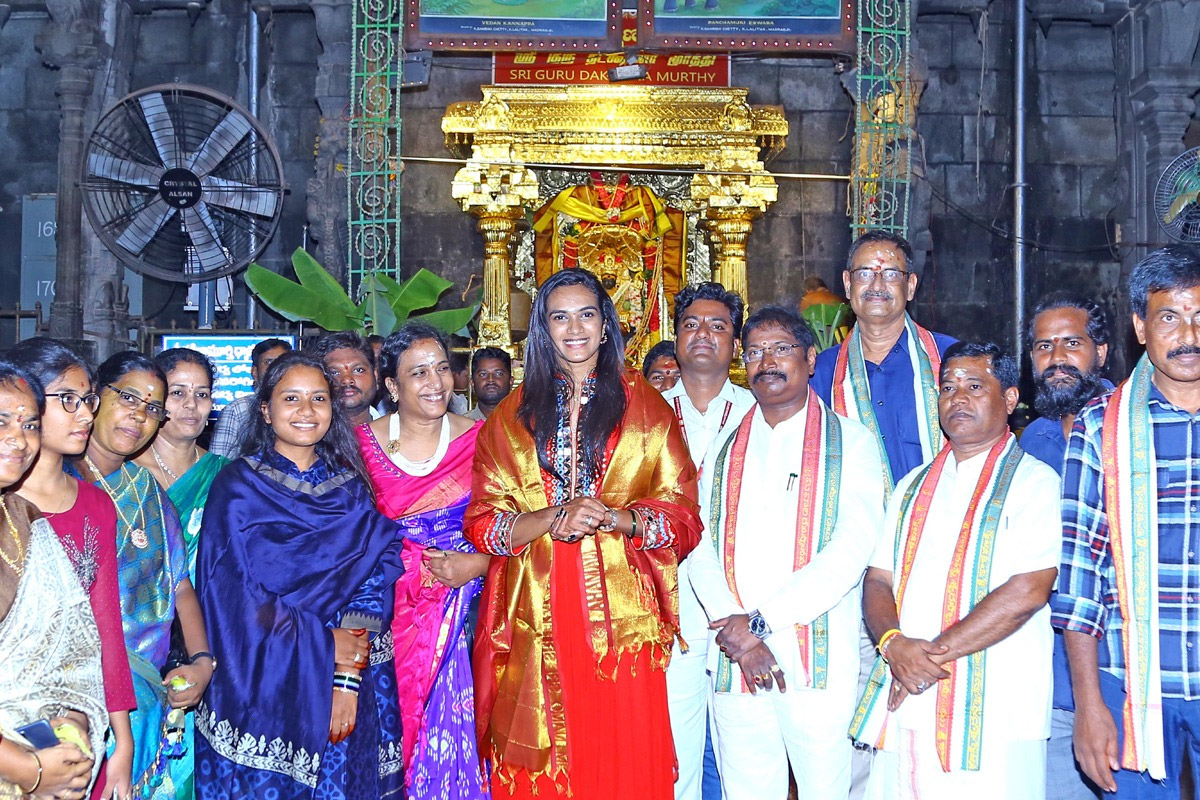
[[806, 26]]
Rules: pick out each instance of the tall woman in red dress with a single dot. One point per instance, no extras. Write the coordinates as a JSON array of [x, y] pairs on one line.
[[584, 488]]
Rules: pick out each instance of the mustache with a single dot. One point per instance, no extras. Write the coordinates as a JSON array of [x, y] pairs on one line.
[[878, 294], [1184, 350], [768, 374], [1065, 369]]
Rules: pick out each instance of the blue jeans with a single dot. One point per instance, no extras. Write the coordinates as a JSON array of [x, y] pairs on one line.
[[1064, 779], [1181, 737], [710, 784]]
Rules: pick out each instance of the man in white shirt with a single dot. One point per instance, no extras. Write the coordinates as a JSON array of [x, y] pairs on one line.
[[708, 321], [792, 498], [955, 597]]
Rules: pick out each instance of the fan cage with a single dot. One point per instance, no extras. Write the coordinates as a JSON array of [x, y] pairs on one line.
[[1185, 169], [241, 193]]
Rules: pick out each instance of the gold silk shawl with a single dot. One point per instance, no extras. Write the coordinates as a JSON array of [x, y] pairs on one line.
[[632, 595]]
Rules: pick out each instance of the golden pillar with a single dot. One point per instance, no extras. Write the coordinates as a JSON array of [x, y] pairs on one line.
[[497, 194], [497, 227], [729, 228]]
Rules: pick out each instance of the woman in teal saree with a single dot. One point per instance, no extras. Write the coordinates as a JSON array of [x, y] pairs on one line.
[[183, 468]]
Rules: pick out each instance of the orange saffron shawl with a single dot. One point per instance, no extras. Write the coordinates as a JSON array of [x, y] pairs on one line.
[[632, 595]]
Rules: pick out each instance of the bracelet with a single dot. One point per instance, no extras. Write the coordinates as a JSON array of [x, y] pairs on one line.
[[204, 654], [346, 690], [36, 783], [354, 676], [885, 640], [633, 526]]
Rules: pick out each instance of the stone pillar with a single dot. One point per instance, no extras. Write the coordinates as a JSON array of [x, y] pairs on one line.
[[327, 188], [1156, 82], [72, 42]]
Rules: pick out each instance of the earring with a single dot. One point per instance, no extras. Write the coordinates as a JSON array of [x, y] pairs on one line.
[[395, 398], [604, 337]]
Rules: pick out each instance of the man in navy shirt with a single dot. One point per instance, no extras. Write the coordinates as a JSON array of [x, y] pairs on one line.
[[885, 373], [1068, 346]]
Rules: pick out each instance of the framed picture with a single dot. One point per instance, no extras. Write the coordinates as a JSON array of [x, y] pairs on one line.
[[814, 26], [579, 26]]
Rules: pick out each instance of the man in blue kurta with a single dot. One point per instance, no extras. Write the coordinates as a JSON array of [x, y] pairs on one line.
[[884, 375], [1068, 347]]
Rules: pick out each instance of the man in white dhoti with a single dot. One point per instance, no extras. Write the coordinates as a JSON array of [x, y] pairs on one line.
[[955, 597], [792, 499], [708, 321]]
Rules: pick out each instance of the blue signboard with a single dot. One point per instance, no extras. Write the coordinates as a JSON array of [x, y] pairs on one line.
[[231, 358]]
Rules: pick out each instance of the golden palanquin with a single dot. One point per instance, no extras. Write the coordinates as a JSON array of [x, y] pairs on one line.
[[621, 180]]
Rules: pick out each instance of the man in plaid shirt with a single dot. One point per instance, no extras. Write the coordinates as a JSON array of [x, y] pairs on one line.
[[1129, 584]]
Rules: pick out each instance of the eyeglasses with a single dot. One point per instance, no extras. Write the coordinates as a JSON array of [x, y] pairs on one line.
[[779, 351], [867, 274], [131, 401], [71, 401]]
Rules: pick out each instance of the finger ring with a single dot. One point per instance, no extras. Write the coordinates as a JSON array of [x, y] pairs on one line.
[[572, 537], [587, 521], [776, 669], [345, 724], [761, 678], [358, 658], [922, 686]]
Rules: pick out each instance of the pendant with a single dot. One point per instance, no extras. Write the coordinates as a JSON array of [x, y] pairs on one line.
[[614, 213], [139, 538]]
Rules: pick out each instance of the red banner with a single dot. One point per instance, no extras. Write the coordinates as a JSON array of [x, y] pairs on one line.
[[662, 69]]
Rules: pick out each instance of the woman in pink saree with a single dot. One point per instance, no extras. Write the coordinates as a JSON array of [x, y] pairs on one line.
[[419, 461]]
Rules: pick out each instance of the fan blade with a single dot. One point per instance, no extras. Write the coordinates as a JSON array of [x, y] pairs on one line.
[[145, 224], [232, 128], [239, 196], [124, 171], [162, 129], [203, 233]]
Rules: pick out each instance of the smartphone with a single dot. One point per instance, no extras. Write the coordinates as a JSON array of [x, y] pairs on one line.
[[39, 734]]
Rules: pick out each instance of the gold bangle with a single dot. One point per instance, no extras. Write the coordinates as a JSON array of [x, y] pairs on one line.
[[36, 783]]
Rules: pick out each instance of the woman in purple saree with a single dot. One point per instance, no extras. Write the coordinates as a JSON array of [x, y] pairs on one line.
[[419, 461]]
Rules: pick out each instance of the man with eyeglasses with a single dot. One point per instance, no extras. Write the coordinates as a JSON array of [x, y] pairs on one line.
[[884, 375], [793, 497]]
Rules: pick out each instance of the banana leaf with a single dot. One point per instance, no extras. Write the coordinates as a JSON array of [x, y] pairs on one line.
[[298, 303], [452, 320], [315, 277], [381, 319], [419, 292]]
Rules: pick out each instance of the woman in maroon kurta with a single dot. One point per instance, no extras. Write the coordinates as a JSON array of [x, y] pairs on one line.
[[86, 523]]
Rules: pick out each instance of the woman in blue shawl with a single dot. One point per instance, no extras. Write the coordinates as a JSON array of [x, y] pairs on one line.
[[295, 571]]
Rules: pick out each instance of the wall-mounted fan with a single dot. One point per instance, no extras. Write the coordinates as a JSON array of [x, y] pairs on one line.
[[181, 183], [1177, 197]]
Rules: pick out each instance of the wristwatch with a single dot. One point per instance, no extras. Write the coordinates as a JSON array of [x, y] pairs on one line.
[[759, 626]]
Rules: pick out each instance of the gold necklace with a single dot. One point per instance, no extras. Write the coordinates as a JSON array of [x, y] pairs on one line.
[[17, 564], [137, 535]]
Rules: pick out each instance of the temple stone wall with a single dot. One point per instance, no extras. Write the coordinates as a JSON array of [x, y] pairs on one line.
[[965, 117]]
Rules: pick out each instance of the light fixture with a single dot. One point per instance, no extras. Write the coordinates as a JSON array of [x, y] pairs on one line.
[[631, 70]]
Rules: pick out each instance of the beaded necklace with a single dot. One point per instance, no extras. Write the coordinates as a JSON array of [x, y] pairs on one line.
[[18, 563]]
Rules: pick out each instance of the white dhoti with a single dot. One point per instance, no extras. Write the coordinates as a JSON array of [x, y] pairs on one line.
[[1014, 770], [762, 734]]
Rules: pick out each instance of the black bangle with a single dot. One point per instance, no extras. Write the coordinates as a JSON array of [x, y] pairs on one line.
[[203, 654]]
